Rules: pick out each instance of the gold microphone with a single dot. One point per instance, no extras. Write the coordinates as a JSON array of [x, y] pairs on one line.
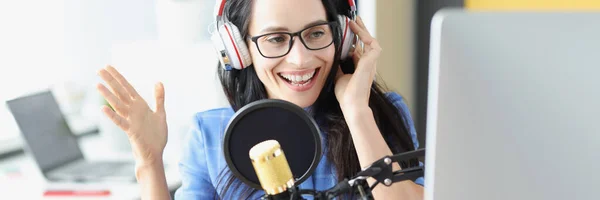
[[272, 168]]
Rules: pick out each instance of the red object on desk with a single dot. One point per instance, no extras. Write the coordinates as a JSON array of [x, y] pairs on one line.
[[77, 193]]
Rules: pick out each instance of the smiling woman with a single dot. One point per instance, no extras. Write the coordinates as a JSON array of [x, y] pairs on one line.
[[277, 49]]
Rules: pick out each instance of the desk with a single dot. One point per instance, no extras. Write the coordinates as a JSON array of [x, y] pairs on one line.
[[20, 178]]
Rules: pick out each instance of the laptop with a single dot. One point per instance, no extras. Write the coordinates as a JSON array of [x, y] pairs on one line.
[[513, 106], [55, 148]]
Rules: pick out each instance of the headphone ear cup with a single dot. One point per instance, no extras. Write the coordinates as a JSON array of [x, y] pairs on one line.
[[347, 36], [222, 53], [234, 45]]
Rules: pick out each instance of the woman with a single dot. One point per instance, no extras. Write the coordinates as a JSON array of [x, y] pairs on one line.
[[360, 123]]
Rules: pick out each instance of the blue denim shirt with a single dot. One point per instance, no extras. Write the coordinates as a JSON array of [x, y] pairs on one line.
[[202, 159]]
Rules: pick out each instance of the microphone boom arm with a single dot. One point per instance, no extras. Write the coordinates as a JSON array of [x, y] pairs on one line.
[[382, 171]]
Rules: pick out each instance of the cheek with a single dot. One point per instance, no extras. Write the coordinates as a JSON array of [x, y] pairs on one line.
[[262, 66], [257, 60], [327, 57], [330, 54], [254, 54]]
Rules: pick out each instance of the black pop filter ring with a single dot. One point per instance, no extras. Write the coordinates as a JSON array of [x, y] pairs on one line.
[[266, 119]]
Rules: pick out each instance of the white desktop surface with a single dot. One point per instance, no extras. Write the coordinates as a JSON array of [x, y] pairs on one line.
[[21, 179]]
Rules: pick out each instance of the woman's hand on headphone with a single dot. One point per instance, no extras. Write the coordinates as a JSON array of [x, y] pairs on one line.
[[145, 128], [353, 90]]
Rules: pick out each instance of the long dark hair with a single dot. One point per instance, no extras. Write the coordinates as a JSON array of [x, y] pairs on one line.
[[243, 87]]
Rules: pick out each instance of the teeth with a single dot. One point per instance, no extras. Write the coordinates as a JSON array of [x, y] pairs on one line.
[[298, 84], [298, 78]]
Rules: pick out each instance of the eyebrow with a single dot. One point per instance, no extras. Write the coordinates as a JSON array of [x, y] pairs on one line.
[[281, 28]]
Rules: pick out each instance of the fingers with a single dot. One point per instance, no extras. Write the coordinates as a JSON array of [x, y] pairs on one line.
[[357, 54], [359, 29], [128, 88], [115, 86], [113, 100], [362, 32], [360, 23], [356, 57], [159, 94], [118, 120], [367, 61], [370, 53]]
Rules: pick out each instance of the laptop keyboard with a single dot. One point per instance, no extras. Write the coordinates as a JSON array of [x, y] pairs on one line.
[[99, 169]]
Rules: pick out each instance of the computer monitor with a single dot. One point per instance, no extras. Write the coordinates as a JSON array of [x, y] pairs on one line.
[[513, 106]]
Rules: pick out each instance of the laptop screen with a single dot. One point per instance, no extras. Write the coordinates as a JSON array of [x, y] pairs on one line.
[[45, 130]]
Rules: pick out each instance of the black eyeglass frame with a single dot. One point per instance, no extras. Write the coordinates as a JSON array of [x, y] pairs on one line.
[[332, 25]]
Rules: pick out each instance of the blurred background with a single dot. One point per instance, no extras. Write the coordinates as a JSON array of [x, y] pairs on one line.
[[61, 44]]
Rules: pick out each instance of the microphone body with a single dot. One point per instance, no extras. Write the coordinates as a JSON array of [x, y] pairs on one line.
[[273, 171]]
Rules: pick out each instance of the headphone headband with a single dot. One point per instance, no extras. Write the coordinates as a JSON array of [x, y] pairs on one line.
[[352, 5], [221, 7]]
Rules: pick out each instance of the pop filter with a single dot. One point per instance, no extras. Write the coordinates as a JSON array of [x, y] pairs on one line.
[[272, 119]]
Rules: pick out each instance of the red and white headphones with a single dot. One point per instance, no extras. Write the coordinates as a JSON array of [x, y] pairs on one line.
[[233, 52]]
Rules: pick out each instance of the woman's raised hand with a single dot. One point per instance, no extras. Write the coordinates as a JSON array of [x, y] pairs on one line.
[[145, 128]]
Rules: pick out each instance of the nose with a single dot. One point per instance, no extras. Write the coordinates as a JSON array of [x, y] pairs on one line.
[[299, 54]]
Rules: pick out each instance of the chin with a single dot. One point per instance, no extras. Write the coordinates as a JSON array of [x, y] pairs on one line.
[[304, 101]]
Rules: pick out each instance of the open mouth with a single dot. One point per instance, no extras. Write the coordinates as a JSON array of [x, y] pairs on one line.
[[299, 79]]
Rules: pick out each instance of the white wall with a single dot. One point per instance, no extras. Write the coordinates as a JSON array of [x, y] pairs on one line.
[[30, 50], [61, 44]]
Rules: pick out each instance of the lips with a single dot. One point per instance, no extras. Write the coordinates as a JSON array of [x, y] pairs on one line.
[[299, 80]]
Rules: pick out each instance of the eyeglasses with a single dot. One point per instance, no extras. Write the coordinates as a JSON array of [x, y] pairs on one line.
[[278, 44]]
